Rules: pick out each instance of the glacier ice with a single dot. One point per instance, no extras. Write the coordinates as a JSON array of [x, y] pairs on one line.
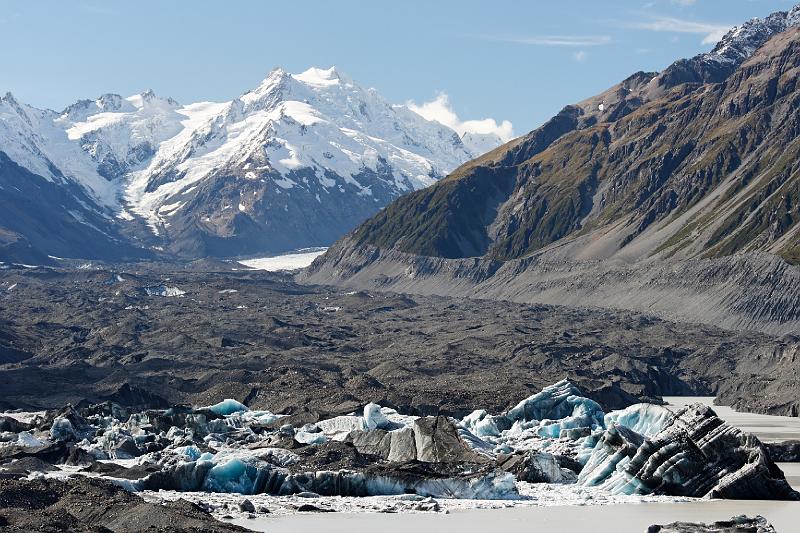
[[694, 454], [375, 419], [227, 407], [242, 475], [62, 429], [643, 418], [26, 440]]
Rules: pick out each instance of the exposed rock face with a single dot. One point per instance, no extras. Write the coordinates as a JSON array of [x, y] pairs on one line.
[[632, 185], [737, 524], [676, 194], [695, 454], [40, 217]]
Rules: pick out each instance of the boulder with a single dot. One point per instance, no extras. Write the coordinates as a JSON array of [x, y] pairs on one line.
[[535, 467], [436, 440]]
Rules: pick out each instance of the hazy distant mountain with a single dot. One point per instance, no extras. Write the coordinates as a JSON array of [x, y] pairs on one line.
[[298, 161]]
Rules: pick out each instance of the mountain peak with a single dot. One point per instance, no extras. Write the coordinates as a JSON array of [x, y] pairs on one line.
[[742, 40], [149, 97], [321, 77]]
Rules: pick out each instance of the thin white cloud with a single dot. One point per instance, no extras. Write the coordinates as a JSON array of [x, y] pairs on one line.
[[580, 55], [557, 40], [684, 2], [441, 111], [712, 32]]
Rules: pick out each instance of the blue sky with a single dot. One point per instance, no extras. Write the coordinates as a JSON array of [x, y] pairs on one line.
[[510, 60]]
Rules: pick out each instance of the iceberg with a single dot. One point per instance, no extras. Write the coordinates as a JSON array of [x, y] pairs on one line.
[[375, 419], [62, 429], [241, 475], [227, 407], [26, 440], [695, 454], [643, 418]]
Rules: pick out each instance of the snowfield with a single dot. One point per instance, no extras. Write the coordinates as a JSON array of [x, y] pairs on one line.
[[291, 261]]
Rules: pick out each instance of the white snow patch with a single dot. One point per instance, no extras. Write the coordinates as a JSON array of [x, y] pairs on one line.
[[290, 261]]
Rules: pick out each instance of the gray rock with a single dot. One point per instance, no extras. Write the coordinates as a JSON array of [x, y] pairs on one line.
[[436, 440], [246, 506], [536, 467]]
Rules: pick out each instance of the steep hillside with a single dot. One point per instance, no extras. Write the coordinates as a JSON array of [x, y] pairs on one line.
[[697, 163], [690, 170]]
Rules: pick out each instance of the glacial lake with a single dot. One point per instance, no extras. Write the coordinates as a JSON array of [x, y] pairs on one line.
[[616, 518]]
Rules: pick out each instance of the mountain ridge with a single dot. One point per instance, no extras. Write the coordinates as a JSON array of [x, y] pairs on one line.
[[604, 203], [295, 162]]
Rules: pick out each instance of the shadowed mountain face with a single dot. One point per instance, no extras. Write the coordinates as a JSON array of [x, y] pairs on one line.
[[675, 193]]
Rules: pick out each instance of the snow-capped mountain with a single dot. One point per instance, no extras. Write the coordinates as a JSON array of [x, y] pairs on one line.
[[298, 161]]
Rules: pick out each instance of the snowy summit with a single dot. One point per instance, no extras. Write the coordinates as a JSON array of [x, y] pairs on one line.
[[295, 162]]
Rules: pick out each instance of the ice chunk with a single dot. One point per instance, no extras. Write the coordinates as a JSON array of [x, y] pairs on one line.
[[643, 418], [310, 436], [582, 413], [480, 424], [374, 418], [62, 429], [614, 450], [227, 407], [236, 475], [192, 453], [556, 402], [339, 427], [26, 440], [163, 290], [696, 454]]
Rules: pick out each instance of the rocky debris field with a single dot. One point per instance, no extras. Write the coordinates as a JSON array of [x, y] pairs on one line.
[[152, 336], [556, 437]]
